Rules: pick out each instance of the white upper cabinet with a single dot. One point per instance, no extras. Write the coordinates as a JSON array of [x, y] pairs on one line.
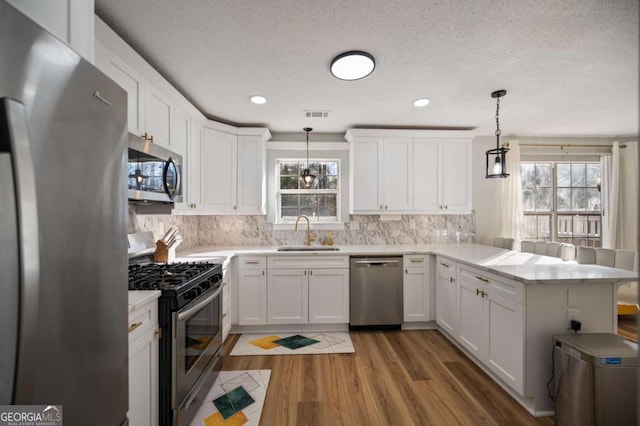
[[69, 20], [382, 175], [227, 171], [442, 175], [218, 168], [154, 107], [410, 171], [127, 78]]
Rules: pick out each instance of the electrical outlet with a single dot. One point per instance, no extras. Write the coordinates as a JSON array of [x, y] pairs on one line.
[[572, 314], [354, 226], [161, 230], [412, 224], [240, 225]]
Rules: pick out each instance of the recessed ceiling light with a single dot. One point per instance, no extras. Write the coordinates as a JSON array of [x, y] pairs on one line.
[[421, 102], [258, 99], [352, 65]]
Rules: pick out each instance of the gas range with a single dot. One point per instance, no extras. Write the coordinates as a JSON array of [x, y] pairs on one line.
[[182, 282]]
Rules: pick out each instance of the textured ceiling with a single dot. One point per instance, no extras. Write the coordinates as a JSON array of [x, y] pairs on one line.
[[570, 67]]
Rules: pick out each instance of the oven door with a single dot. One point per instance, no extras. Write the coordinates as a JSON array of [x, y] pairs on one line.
[[197, 341]]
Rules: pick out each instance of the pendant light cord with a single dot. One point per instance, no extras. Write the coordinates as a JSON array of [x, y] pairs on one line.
[[498, 131]]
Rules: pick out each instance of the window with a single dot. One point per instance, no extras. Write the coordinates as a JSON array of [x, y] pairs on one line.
[[319, 203], [562, 202]]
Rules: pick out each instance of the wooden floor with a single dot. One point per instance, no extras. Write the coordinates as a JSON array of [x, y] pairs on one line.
[[628, 327], [393, 378]]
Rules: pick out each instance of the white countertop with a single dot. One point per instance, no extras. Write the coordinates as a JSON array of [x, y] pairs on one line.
[[139, 298], [526, 267]]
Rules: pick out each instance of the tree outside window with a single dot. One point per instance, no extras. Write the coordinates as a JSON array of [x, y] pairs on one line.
[[319, 203]]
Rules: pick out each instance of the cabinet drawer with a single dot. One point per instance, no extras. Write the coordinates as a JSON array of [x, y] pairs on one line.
[[416, 261], [494, 284], [252, 262], [446, 267], [143, 319], [298, 261]]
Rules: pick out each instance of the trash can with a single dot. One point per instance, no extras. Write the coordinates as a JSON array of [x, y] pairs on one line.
[[595, 379]]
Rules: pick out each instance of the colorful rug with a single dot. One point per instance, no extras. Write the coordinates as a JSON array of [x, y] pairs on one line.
[[293, 344], [236, 398]]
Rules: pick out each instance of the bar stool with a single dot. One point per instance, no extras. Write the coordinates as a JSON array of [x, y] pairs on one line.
[[540, 247], [586, 255], [606, 257], [527, 246]]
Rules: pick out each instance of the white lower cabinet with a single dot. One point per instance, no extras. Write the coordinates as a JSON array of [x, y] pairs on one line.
[[447, 296], [417, 288], [328, 296], [252, 290], [491, 323], [143, 365], [297, 290], [287, 296]]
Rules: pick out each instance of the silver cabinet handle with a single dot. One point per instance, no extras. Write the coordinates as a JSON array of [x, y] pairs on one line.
[[376, 262], [15, 143]]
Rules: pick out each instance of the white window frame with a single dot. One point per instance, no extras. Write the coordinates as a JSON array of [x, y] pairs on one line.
[[554, 213], [279, 192]]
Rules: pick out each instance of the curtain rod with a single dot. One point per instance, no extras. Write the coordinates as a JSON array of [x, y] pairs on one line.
[[563, 145]]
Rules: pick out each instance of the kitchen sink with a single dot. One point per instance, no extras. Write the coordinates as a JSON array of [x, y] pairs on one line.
[[308, 248]]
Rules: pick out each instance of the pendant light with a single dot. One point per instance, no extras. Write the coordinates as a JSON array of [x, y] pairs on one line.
[[497, 158], [306, 176]]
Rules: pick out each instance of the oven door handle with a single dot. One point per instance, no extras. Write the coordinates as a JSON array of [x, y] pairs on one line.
[[185, 315]]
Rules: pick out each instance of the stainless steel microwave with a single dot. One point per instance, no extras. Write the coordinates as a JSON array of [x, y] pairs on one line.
[[153, 173]]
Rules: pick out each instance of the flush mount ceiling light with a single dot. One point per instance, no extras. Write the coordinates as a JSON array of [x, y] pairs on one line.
[[259, 100], [421, 102], [497, 158], [352, 65], [306, 176]]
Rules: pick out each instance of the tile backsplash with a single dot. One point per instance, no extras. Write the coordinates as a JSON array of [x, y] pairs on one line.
[[255, 231]]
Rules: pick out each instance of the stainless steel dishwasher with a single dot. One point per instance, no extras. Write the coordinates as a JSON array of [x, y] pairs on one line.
[[376, 293]]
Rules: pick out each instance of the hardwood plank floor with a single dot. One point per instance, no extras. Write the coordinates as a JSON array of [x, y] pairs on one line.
[[628, 327], [393, 378]]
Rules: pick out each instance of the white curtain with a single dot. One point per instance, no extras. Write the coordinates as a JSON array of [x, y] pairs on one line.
[[610, 166], [511, 210]]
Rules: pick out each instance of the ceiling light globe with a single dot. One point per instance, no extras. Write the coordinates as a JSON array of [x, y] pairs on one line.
[[421, 102], [352, 65]]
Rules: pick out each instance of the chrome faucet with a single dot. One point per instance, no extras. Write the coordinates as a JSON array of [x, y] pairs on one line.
[[309, 236]]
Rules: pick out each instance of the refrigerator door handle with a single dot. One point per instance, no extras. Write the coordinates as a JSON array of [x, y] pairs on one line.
[[165, 175], [14, 140]]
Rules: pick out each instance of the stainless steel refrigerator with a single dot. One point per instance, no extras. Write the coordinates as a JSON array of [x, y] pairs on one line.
[[63, 253]]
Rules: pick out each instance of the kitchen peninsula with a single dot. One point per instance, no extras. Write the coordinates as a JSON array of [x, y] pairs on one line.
[[500, 307]]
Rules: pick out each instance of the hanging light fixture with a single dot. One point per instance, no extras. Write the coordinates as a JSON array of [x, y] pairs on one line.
[[497, 158], [306, 176]]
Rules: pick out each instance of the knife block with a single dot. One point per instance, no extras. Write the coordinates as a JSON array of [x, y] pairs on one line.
[[164, 253]]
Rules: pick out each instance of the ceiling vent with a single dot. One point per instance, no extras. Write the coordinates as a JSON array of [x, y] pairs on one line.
[[317, 114]]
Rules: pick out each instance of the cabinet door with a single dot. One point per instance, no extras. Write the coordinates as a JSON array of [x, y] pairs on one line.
[[143, 380], [219, 163], [127, 78], [180, 131], [397, 174], [472, 327], [252, 297], [366, 160], [446, 303], [456, 175], [158, 116], [427, 174], [251, 175], [417, 299], [505, 351], [329, 296], [194, 165], [288, 296]]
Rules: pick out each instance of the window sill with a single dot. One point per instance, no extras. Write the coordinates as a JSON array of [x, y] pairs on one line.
[[315, 226]]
